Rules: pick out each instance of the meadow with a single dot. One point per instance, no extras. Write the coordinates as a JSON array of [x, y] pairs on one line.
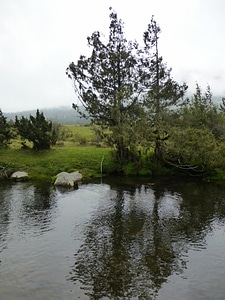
[[76, 150]]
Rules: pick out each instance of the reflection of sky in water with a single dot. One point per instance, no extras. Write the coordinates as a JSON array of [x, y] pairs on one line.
[[111, 241], [144, 199], [136, 238], [203, 277], [169, 206], [30, 209]]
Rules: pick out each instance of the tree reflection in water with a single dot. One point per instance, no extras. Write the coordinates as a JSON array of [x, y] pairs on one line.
[[38, 207], [140, 238], [26, 207], [4, 219]]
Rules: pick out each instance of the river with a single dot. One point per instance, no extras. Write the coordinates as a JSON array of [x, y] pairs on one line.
[[116, 239]]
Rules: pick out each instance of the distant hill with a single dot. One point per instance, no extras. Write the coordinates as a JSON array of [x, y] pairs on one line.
[[62, 115], [67, 115]]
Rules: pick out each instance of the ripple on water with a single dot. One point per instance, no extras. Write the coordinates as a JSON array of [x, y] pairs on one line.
[[111, 242]]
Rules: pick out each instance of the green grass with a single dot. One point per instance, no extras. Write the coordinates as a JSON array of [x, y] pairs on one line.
[[77, 150], [46, 164], [84, 131], [78, 135], [69, 156]]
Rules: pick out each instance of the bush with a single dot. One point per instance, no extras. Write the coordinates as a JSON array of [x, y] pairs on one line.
[[36, 130]]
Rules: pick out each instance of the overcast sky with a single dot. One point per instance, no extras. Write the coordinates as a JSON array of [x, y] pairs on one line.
[[39, 38]]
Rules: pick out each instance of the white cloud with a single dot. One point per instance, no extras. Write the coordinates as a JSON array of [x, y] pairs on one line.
[[38, 40]]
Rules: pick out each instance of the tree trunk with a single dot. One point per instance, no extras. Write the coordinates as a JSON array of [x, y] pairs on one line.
[[158, 152]]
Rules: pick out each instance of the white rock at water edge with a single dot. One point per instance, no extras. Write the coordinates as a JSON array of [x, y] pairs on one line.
[[18, 175], [67, 179]]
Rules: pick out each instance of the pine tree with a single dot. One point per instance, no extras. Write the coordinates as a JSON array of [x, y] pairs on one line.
[[107, 84], [5, 131], [112, 83], [36, 130], [163, 92]]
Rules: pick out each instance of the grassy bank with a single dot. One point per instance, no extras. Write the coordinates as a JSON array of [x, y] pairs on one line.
[[46, 164], [77, 151]]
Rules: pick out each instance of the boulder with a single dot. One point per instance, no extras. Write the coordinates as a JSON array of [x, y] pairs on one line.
[[67, 179], [19, 176]]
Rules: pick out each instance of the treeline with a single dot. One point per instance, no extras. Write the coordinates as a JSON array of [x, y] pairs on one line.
[[189, 137], [37, 130]]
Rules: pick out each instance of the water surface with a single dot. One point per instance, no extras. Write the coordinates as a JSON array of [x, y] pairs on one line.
[[120, 239]]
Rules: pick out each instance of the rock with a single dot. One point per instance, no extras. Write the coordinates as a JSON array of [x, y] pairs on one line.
[[19, 176], [67, 179]]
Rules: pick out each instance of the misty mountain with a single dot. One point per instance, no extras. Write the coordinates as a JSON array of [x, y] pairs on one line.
[[67, 115], [62, 115]]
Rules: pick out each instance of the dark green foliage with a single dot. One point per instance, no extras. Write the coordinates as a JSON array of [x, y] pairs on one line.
[[112, 83], [108, 85], [103, 80], [5, 131], [200, 111], [36, 130], [197, 135], [193, 150], [128, 92], [163, 94]]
